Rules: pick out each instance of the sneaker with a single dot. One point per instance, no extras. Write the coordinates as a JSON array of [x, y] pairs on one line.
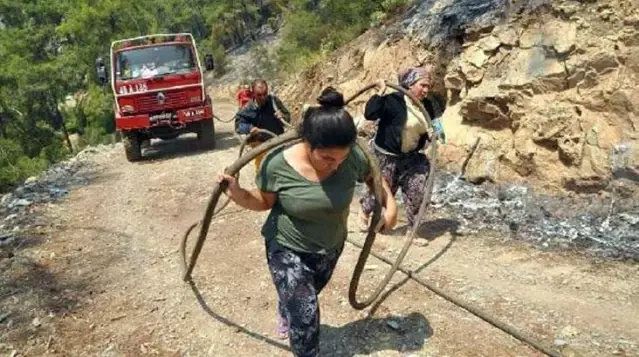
[[282, 327]]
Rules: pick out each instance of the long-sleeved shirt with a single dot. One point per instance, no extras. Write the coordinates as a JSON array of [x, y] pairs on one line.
[[393, 114], [262, 117]]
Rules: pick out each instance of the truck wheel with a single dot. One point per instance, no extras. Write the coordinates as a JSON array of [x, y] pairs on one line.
[[206, 133], [132, 148]]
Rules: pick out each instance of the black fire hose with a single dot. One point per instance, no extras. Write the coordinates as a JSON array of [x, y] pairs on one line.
[[289, 138], [292, 137], [242, 147], [222, 120]]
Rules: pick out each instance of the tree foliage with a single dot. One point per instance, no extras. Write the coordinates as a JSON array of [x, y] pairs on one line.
[[48, 51], [315, 27]]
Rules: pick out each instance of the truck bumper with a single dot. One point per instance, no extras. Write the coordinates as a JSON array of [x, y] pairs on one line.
[[175, 118]]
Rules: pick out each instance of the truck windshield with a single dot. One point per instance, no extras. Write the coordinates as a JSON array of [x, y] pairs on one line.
[[154, 61]]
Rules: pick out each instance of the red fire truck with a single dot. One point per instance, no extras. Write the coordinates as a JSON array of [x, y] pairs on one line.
[[158, 86]]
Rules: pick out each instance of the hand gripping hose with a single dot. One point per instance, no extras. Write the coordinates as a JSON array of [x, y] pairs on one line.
[[242, 148]]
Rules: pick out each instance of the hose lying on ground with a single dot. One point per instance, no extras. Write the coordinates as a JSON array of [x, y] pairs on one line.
[[470, 308]]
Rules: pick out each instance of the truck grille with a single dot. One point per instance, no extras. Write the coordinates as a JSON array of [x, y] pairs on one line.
[[149, 102]]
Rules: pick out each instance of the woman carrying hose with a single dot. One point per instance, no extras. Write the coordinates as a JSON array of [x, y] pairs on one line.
[[401, 135], [308, 188]]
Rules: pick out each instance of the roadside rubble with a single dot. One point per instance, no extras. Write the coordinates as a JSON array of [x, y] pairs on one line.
[[51, 186], [606, 224]]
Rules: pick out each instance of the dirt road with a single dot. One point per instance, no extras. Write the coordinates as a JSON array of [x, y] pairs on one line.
[[104, 280]]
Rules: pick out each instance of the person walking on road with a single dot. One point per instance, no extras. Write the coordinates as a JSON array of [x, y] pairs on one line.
[[263, 111], [308, 187], [401, 136]]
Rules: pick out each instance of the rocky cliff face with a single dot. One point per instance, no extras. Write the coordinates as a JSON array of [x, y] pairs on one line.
[[550, 87]]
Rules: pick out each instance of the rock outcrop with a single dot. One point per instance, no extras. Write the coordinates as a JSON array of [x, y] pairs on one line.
[[551, 87]]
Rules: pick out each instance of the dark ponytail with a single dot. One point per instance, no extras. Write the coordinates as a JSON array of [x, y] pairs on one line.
[[329, 125], [331, 98]]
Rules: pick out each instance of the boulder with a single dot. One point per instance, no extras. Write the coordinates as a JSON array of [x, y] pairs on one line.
[[533, 69], [472, 73], [482, 167], [632, 62], [559, 35], [454, 80], [603, 62], [489, 43], [485, 111], [507, 35], [475, 56]]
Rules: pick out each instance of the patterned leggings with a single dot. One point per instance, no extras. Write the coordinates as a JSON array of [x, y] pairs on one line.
[[408, 172], [299, 279]]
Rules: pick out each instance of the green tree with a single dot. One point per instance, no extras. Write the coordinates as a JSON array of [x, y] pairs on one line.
[[48, 51]]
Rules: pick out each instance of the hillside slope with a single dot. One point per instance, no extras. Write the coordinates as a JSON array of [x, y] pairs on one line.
[[551, 88]]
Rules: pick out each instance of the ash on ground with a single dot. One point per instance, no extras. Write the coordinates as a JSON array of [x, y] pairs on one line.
[[605, 224]]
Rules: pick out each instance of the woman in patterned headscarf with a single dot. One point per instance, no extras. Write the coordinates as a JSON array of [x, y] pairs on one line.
[[401, 136]]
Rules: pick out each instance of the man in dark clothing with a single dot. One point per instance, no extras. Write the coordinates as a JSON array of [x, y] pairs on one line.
[[264, 111]]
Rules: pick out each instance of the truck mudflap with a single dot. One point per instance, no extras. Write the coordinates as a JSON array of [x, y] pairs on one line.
[[177, 117]]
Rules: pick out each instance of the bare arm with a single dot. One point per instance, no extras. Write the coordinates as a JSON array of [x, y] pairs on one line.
[[254, 200]]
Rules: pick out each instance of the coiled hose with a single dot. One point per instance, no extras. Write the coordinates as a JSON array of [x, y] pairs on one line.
[[291, 137]]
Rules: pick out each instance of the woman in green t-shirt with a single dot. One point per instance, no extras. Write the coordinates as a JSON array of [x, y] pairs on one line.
[[308, 188]]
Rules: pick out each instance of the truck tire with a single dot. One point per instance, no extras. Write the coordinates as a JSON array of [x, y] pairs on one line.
[[206, 133], [132, 147]]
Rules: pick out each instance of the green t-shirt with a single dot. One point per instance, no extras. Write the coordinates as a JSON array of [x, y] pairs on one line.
[[309, 216]]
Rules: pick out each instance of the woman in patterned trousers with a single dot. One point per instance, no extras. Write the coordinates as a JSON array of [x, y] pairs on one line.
[[400, 138], [308, 188]]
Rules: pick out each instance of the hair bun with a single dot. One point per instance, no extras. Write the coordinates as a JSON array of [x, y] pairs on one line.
[[330, 97]]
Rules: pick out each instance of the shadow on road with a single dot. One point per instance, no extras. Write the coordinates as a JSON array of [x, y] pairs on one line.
[[227, 322], [371, 335], [429, 230], [186, 145], [364, 336]]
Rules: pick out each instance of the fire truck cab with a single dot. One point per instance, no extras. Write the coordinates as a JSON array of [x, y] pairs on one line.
[[159, 92]]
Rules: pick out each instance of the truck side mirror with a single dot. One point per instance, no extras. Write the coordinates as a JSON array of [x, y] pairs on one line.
[[209, 63], [101, 71]]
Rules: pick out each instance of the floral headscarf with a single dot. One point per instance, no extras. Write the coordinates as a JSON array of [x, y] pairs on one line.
[[408, 76]]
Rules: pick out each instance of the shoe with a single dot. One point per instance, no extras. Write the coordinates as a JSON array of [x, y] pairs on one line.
[[282, 328]]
